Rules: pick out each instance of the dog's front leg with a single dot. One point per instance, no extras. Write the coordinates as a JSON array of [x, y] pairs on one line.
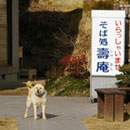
[[28, 103], [44, 112], [35, 112]]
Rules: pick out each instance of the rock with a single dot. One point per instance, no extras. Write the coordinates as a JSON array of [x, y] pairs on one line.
[[49, 27], [63, 5]]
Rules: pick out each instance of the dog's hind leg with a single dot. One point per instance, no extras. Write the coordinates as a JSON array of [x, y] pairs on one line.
[[44, 112], [28, 103]]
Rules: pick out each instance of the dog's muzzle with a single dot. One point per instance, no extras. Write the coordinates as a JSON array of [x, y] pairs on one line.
[[39, 94]]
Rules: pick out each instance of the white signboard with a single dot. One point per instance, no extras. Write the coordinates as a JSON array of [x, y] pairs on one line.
[[108, 31]]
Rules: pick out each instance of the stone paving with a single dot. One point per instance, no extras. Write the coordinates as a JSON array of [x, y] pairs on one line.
[[63, 113]]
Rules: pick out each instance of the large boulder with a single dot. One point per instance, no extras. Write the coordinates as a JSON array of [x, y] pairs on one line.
[[50, 28]]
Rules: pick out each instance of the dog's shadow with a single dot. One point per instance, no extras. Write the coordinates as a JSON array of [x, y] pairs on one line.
[[48, 115]]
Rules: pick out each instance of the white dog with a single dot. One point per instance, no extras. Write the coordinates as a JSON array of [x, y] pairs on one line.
[[37, 95]]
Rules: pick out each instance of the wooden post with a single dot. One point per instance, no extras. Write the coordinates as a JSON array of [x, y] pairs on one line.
[[119, 108], [3, 33], [128, 39], [100, 105], [109, 108], [21, 56], [20, 51], [31, 73]]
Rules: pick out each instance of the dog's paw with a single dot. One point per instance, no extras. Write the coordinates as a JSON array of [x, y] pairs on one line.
[[35, 118], [25, 116], [44, 118]]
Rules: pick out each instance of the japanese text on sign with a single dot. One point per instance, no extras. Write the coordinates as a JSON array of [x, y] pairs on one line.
[[103, 52], [107, 44], [118, 42]]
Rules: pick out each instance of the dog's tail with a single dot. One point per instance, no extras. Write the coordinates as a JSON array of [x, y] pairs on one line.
[[29, 85]]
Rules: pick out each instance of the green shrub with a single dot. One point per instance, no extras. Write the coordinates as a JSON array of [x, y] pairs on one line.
[[68, 86], [123, 80]]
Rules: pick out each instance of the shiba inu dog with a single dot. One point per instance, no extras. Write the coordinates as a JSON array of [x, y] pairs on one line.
[[37, 95]]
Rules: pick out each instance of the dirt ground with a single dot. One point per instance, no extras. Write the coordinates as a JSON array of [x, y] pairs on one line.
[[17, 91], [8, 124], [15, 88], [93, 123]]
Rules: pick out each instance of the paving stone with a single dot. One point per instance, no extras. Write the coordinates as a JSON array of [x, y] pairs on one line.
[[64, 113]]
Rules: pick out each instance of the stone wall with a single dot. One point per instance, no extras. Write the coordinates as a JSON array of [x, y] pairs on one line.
[[3, 33]]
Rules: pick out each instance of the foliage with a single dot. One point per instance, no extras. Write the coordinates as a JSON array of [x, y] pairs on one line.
[[68, 86], [75, 63], [124, 77], [55, 72]]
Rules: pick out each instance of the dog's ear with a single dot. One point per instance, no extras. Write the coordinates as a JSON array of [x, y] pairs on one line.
[[29, 85], [43, 82], [35, 82]]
